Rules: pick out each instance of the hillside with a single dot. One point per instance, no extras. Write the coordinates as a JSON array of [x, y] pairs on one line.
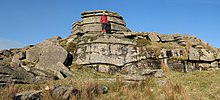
[[119, 64]]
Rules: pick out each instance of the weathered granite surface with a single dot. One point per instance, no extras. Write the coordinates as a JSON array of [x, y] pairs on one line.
[[136, 54], [91, 22], [122, 50]]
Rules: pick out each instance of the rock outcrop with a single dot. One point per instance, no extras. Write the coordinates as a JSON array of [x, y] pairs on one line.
[[42, 62], [51, 57], [91, 22], [135, 54], [124, 50]]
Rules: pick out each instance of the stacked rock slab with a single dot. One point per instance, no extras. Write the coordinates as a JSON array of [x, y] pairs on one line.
[[91, 22], [121, 50], [106, 52]]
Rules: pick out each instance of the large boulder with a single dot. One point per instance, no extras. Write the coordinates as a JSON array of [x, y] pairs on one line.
[[49, 56], [33, 54]]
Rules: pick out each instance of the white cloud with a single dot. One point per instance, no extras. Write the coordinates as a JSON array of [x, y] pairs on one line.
[[7, 44]]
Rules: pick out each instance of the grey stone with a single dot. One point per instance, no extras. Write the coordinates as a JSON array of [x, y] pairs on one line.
[[104, 68], [50, 54], [190, 66], [58, 74], [206, 55], [1, 57], [153, 37], [99, 13], [106, 50], [65, 92], [178, 52], [166, 37], [194, 41], [214, 64], [91, 22], [15, 75], [5, 61], [54, 39], [146, 72], [50, 57], [16, 59], [38, 72], [104, 89], [112, 40], [163, 53], [138, 67], [28, 95], [176, 65], [6, 53], [130, 68], [199, 47], [1, 52], [96, 19], [61, 71], [217, 55], [194, 54], [25, 67], [16, 63], [183, 43], [178, 37], [159, 74], [19, 56], [204, 65], [162, 82], [41, 75], [33, 54]]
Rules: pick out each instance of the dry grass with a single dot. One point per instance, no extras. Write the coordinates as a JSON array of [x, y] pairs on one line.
[[173, 90], [143, 42], [71, 47], [196, 85], [120, 90]]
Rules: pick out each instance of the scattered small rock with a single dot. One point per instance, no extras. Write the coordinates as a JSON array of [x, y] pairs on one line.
[[159, 74], [28, 95], [65, 92]]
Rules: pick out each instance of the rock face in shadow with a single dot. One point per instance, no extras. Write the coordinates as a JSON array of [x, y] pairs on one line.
[[18, 75], [28, 95], [10, 75]]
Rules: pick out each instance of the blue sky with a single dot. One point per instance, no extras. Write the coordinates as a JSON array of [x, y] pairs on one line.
[[24, 22]]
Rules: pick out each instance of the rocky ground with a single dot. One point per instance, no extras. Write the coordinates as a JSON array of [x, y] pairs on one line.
[[92, 85]]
